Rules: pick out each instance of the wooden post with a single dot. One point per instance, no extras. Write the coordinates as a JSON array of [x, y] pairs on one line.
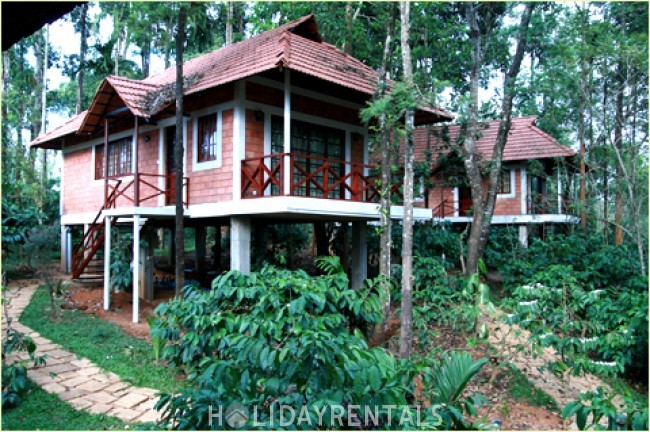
[[136, 172]]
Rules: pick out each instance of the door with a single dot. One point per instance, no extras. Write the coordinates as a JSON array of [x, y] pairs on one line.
[[170, 174], [464, 201]]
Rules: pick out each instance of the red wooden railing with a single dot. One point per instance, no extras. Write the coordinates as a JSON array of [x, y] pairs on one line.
[[444, 209], [310, 176], [93, 238]]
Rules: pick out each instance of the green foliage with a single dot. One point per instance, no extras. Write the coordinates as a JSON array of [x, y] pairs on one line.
[[600, 406], [283, 242], [14, 375], [280, 338], [582, 323]]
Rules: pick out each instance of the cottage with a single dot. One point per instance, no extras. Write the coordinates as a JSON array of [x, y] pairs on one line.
[[524, 197], [271, 132]]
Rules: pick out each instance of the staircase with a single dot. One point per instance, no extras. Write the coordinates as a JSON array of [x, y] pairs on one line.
[[84, 256]]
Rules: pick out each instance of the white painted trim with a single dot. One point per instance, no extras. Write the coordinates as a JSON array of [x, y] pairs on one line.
[[456, 202], [62, 181], [287, 205], [513, 187], [162, 162], [217, 109], [287, 129], [107, 263], [238, 138], [559, 192], [518, 219], [348, 158], [524, 191], [136, 268], [305, 92], [267, 144]]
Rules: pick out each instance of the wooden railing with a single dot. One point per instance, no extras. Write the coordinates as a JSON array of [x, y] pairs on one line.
[[310, 176], [446, 208], [128, 190]]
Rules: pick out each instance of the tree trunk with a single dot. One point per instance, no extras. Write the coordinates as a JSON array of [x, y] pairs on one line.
[[618, 143], [230, 7], [82, 58], [605, 171], [406, 331], [386, 239], [179, 152], [320, 235], [484, 208], [145, 55]]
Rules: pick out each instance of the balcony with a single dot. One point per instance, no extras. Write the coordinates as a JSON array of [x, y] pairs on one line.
[[297, 175], [143, 187], [543, 204]]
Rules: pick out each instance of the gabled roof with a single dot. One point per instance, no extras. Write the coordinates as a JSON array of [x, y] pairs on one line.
[[525, 141], [296, 46], [69, 127]]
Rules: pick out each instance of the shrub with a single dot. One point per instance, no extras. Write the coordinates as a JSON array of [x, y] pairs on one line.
[[599, 404], [281, 338]]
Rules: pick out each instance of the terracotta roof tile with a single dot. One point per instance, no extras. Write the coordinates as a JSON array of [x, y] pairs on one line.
[[525, 141], [67, 128]]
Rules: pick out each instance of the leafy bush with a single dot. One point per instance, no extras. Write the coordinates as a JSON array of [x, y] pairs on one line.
[[583, 323], [280, 338], [600, 405]]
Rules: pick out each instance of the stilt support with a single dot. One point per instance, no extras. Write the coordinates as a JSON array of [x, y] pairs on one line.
[[359, 254], [240, 244], [107, 262]]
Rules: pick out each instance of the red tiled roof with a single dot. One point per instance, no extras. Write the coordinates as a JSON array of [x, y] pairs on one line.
[[296, 46], [67, 128], [525, 141]]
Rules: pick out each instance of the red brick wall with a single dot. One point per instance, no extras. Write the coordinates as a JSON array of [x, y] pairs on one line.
[[81, 193], [212, 185], [148, 164], [356, 148], [254, 135]]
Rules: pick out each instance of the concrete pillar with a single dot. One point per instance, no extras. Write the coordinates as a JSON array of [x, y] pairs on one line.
[[523, 235], [240, 244], [199, 248], [136, 268], [107, 262], [359, 255]]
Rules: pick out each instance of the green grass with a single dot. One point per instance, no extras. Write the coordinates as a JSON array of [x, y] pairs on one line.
[[45, 411], [522, 389], [102, 342]]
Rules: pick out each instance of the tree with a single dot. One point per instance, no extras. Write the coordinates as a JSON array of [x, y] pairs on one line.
[[83, 47], [406, 330], [482, 20], [178, 151]]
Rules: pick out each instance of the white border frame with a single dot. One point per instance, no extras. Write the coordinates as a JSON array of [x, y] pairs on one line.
[[218, 111], [513, 186]]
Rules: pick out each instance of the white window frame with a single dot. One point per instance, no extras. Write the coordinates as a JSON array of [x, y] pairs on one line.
[[213, 164], [513, 186], [114, 137]]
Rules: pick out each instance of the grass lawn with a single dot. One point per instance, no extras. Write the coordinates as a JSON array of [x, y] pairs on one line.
[[45, 411], [522, 389], [102, 342]]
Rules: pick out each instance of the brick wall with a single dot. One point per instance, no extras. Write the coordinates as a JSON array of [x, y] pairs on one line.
[[212, 185]]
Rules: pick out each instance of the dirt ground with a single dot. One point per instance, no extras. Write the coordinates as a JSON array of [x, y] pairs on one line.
[[90, 299]]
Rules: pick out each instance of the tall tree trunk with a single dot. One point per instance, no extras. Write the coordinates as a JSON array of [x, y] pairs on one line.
[[618, 143], [484, 208], [39, 81], [145, 56], [179, 152], [82, 57], [605, 171], [386, 240], [406, 331], [46, 54], [230, 17]]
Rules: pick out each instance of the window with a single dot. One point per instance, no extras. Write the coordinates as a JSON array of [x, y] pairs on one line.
[[314, 144], [119, 158], [505, 187], [208, 140]]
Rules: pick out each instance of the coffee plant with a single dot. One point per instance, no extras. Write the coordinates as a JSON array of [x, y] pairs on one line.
[[278, 338]]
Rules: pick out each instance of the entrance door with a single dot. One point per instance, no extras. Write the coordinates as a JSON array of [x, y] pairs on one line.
[[170, 178], [464, 201]]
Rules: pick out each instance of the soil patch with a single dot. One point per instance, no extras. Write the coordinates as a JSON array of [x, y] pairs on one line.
[[91, 300]]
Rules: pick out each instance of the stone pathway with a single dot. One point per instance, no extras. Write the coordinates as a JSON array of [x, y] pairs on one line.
[[74, 379], [506, 339]]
